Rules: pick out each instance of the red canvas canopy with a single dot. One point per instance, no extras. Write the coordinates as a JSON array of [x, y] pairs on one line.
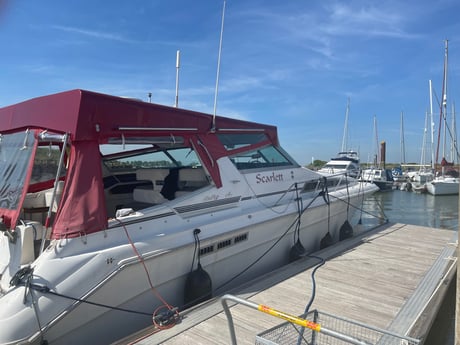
[[93, 116], [91, 119]]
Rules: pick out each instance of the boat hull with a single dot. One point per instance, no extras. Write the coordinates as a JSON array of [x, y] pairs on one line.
[[103, 267], [445, 186]]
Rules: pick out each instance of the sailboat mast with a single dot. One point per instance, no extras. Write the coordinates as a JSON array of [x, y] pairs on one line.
[[345, 128], [423, 157], [443, 105], [432, 125], [403, 148], [444, 102], [453, 143]]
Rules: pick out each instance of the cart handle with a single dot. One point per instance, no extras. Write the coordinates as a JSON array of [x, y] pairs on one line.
[[279, 314]]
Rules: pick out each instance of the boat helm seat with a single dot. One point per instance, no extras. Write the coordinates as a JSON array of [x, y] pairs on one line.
[[150, 195], [155, 175], [171, 184]]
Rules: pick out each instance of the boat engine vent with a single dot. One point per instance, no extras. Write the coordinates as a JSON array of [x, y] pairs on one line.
[[206, 250], [242, 237], [223, 244]]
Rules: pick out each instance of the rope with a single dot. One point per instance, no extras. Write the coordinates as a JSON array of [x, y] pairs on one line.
[[272, 246], [172, 312], [364, 211], [313, 294]]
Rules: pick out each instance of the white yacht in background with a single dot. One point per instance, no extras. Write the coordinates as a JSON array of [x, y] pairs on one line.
[[345, 163], [116, 211]]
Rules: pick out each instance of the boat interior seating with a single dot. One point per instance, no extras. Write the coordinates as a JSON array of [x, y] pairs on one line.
[[191, 179], [147, 194], [168, 183], [36, 204]]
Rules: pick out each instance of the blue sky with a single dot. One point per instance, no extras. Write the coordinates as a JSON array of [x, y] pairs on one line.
[[292, 64]]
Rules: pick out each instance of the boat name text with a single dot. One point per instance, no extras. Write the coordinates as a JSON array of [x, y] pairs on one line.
[[260, 178]]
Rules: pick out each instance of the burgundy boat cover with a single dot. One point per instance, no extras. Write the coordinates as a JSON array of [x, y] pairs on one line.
[[91, 119]]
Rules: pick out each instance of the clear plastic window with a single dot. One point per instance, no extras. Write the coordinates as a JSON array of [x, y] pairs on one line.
[[133, 158], [236, 141], [266, 157], [15, 158]]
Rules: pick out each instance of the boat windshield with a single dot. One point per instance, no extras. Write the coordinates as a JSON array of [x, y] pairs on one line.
[[336, 166], [265, 157]]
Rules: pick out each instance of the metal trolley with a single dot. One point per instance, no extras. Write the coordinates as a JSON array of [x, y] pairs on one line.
[[323, 329]]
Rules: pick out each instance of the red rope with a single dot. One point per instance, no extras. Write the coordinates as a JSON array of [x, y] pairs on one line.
[[153, 289]]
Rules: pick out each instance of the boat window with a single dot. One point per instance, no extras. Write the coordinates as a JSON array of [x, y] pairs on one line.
[[46, 163], [310, 186], [15, 158], [138, 177], [237, 141], [266, 157], [336, 166], [133, 158]]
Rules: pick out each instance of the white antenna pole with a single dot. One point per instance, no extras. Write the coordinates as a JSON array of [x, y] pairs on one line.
[[218, 69], [176, 102]]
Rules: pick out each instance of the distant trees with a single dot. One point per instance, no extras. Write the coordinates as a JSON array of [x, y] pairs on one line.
[[317, 163]]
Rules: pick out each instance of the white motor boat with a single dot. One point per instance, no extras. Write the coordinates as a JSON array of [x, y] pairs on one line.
[[443, 185], [346, 162], [383, 178], [116, 212]]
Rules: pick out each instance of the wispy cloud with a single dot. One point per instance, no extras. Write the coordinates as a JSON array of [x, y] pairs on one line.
[[320, 28], [94, 34], [109, 36], [366, 21]]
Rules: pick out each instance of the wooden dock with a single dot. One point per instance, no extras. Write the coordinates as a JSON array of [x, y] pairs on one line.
[[392, 277]]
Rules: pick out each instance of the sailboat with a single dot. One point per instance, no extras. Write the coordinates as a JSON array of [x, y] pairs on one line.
[[419, 178], [446, 181], [398, 175], [347, 161], [377, 173]]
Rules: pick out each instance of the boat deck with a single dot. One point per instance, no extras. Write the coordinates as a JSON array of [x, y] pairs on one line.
[[392, 277]]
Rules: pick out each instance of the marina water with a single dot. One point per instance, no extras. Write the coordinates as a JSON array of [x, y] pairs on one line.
[[425, 210]]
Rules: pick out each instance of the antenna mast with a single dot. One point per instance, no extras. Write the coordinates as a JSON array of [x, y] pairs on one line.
[[176, 102], [218, 69]]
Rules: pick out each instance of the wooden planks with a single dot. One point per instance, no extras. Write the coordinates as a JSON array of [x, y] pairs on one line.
[[370, 278]]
